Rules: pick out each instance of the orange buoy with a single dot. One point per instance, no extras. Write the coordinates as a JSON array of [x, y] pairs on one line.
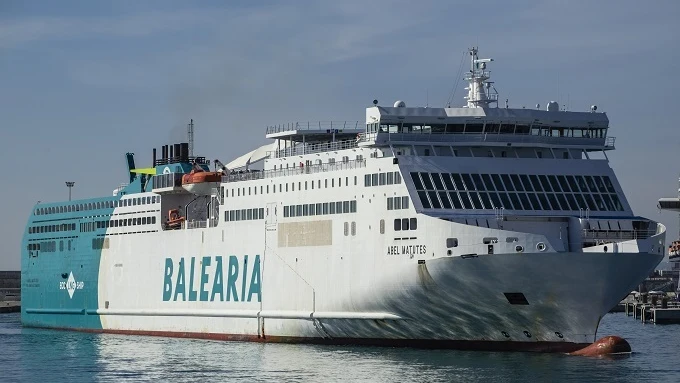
[[605, 346]]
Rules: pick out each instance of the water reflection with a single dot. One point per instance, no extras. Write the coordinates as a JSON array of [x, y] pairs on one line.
[[43, 355]]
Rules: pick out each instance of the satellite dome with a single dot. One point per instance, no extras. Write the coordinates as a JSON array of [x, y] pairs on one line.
[[399, 104], [553, 106]]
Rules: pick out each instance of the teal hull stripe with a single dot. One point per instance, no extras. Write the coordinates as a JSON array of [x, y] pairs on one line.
[[49, 296]]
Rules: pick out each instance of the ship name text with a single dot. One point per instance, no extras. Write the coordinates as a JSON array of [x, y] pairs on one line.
[[208, 279]]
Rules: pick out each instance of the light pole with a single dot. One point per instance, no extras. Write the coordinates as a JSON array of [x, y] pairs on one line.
[[69, 184]]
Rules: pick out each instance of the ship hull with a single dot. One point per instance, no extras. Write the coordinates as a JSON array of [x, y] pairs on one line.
[[370, 299]]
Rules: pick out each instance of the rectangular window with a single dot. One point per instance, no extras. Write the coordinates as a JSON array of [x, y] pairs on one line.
[[434, 200], [468, 182], [457, 181], [397, 224], [286, 211], [374, 179], [249, 214], [497, 181], [563, 183], [305, 210], [416, 181], [477, 179], [390, 203], [438, 184], [508, 183], [382, 179], [332, 208], [555, 185], [451, 242], [404, 202], [525, 201], [534, 201], [390, 178], [487, 182], [353, 206], [515, 201], [536, 183], [444, 198], [413, 223], [339, 208], [423, 199], [486, 200], [562, 201], [447, 181], [427, 182], [544, 201], [608, 184], [404, 224], [298, 210], [397, 178], [465, 198]]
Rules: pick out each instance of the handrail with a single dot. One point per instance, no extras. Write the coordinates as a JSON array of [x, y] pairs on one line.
[[314, 148], [317, 125], [618, 234], [310, 169]]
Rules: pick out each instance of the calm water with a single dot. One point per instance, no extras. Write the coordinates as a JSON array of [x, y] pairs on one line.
[[29, 355]]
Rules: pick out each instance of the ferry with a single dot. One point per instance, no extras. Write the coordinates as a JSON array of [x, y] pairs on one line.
[[478, 227]]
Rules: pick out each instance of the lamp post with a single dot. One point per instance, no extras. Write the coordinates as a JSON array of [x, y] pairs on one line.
[[69, 184]]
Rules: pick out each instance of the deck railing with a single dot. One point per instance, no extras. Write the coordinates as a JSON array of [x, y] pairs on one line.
[[617, 234], [310, 169], [314, 148], [315, 125]]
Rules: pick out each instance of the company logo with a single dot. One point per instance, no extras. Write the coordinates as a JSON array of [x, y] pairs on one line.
[[208, 279], [71, 285]]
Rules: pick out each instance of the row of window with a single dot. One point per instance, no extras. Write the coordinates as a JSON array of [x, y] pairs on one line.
[[126, 222], [286, 187], [45, 247], [51, 228], [494, 127], [322, 208], [380, 179], [397, 203], [244, 214], [100, 243], [98, 205], [50, 246], [513, 191], [405, 224]]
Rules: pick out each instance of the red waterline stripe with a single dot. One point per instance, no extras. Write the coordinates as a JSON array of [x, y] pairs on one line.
[[474, 345]]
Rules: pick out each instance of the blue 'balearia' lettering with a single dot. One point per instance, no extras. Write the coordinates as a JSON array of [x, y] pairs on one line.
[[237, 267]]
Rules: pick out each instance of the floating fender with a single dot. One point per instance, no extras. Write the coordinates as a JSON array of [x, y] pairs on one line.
[[605, 346]]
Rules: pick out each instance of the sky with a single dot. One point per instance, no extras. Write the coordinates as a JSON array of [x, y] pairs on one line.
[[84, 82]]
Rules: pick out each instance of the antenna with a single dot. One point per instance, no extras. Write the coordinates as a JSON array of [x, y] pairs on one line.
[[190, 136]]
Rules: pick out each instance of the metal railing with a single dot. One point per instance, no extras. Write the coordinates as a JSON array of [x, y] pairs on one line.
[[617, 234], [200, 224], [314, 148], [310, 169], [316, 125]]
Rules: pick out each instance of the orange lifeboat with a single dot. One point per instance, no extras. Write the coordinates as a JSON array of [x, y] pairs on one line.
[[200, 182]]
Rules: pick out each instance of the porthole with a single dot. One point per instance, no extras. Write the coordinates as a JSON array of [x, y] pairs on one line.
[[540, 246], [519, 248]]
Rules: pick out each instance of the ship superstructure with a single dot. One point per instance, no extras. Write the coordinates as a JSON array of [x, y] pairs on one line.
[[477, 227]]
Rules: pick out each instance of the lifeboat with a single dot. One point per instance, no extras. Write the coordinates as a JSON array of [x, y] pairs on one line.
[[200, 182]]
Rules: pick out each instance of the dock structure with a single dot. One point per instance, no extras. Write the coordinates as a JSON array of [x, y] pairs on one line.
[[663, 313], [10, 291]]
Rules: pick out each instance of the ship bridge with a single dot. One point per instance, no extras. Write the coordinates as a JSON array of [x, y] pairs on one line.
[[487, 127], [478, 124]]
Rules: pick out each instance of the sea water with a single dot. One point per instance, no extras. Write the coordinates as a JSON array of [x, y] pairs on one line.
[[34, 355]]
